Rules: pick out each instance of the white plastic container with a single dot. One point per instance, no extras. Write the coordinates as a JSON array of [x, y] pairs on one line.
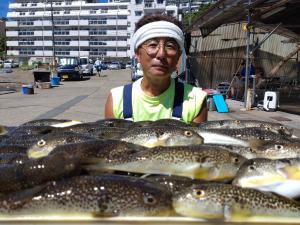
[[271, 101]]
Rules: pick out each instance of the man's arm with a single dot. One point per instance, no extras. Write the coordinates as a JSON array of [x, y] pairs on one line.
[[202, 116], [108, 113]]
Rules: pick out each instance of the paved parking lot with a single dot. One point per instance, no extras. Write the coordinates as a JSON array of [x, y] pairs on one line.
[[77, 100], [84, 101]]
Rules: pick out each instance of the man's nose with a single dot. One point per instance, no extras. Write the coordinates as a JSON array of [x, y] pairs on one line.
[[161, 52]]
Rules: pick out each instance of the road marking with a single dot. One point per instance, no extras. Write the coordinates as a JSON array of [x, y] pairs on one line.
[[61, 108]]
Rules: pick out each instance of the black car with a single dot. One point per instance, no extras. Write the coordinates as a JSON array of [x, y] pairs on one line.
[[69, 69]]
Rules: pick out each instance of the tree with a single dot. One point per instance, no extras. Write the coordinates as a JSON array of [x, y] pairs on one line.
[[194, 15], [2, 46]]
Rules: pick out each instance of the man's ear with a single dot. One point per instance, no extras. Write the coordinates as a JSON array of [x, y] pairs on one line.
[[137, 55]]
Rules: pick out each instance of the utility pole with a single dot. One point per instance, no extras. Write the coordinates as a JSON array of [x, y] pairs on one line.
[[53, 70], [247, 71], [190, 16]]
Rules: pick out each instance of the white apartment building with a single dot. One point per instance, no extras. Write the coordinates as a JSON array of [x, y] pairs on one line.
[[80, 27]]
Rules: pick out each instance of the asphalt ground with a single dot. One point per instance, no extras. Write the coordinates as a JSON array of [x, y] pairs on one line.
[[77, 100], [85, 100]]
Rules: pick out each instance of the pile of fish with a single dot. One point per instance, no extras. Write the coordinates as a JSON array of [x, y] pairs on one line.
[[222, 170]]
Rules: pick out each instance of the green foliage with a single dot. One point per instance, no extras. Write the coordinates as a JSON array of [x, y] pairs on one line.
[[25, 66], [194, 15], [2, 46]]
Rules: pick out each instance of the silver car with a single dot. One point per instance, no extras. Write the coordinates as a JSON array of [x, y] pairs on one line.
[[114, 66]]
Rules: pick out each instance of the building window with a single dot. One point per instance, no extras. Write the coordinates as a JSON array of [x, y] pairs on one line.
[[66, 42], [26, 52], [104, 10], [22, 13], [26, 33], [98, 32], [55, 12], [170, 12], [61, 22], [26, 23], [61, 32], [97, 42], [98, 21], [68, 3], [57, 3], [33, 4], [26, 42], [160, 1], [138, 13], [62, 52], [32, 13], [24, 4], [67, 12], [93, 11], [138, 2]]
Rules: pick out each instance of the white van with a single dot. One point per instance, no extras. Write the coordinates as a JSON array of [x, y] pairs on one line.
[[87, 66], [10, 63]]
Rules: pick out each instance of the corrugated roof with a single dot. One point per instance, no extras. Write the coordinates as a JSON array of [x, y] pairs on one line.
[[264, 13]]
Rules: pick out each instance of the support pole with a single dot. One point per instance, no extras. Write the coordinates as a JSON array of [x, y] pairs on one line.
[[53, 69], [247, 72]]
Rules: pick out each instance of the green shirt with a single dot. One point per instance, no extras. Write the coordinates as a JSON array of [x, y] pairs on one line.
[[146, 107]]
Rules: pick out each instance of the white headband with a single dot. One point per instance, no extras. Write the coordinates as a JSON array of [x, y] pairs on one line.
[[157, 29]]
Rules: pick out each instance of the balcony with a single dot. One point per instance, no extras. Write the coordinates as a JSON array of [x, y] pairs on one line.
[[121, 33], [12, 34], [11, 24], [150, 7], [12, 43], [12, 52], [81, 22], [117, 22]]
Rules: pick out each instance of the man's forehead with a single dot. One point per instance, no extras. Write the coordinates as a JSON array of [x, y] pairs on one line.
[[161, 38]]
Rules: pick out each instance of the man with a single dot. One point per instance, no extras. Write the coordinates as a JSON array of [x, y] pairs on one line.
[[157, 43], [98, 66]]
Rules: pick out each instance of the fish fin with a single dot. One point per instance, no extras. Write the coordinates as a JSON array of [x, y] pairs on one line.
[[256, 143], [145, 175], [66, 124], [239, 212], [291, 172], [105, 206], [3, 130], [20, 198]]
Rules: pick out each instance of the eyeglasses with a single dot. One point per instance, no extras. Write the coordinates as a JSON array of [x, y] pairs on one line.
[[151, 47]]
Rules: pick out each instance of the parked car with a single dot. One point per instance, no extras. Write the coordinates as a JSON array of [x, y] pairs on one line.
[[69, 68], [87, 66], [104, 65], [128, 65], [123, 65], [136, 73], [114, 66], [10, 63]]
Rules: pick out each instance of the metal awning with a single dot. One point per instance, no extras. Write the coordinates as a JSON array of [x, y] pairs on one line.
[[264, 13]]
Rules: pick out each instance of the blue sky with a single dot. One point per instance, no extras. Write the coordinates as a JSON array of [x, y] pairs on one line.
[[3, 7]]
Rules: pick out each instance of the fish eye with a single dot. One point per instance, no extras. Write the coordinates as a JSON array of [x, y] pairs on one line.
[[41, 143], [149, 199], [188, 133], [236, 160], [278, 147], [238, 121], [199, 193], [281, 127], [251, 167]]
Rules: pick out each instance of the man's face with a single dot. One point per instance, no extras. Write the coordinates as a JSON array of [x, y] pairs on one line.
[[158, 56]]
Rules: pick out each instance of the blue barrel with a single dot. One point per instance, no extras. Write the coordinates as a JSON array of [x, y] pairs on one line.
[[27, 89], [54, 81]]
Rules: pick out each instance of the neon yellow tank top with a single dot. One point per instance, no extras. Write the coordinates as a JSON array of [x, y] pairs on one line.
[[146, 107]]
